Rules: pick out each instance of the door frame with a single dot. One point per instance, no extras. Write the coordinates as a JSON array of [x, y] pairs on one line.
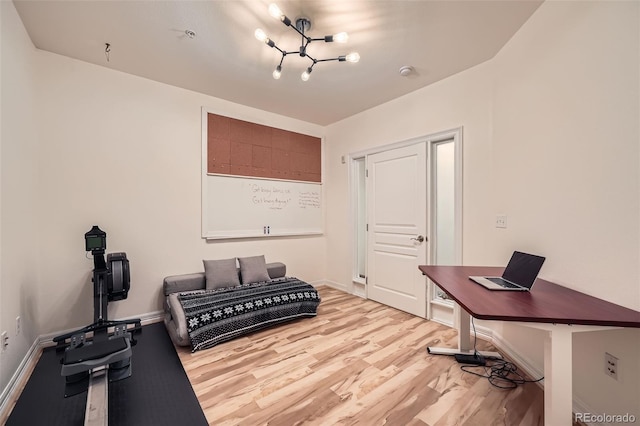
[[439, 307], [358, 285]]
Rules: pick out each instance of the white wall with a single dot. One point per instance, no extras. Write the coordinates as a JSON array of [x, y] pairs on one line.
[[566, 134], [19, 239], [124, 153], [567, 138], [551, 139], [461, 100]]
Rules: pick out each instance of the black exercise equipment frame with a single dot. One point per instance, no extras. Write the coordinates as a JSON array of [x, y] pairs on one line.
[[82, 354]]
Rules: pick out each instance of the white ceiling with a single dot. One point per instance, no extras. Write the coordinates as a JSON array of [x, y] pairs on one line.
[[224, 60]]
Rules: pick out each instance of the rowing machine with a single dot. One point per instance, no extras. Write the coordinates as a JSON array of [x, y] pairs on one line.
[[104, 346]]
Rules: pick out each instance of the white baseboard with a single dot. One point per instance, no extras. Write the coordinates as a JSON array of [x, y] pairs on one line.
[[9, 393], [332, 284], [19, 378], [579, 406]]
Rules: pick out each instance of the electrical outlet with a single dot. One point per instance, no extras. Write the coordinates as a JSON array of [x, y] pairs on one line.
[[501, 221], [4, 340], [18, 325], [611, 365]]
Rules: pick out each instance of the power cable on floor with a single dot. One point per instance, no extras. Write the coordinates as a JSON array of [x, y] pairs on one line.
[[500, 373]]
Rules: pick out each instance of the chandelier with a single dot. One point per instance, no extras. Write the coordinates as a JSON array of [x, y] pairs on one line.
[[301, 26]]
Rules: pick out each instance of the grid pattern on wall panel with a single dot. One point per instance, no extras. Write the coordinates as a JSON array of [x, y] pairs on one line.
[[241, 148]]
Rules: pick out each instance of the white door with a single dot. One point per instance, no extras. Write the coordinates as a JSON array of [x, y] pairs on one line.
[[397, 219]]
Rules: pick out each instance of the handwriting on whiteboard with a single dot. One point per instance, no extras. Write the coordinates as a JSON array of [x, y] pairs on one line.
[[309, 199], [271, 197], [278, 198]]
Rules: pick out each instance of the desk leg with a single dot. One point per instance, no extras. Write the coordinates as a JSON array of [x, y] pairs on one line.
[[465, 346], [464, 329], [558, 386]]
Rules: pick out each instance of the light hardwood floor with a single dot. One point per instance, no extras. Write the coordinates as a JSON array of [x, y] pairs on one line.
[[357, 362]]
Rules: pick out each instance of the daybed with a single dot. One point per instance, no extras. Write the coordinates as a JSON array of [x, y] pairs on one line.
[[204, 309]]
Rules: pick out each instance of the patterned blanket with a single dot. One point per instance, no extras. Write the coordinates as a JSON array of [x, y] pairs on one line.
[[215, 316]]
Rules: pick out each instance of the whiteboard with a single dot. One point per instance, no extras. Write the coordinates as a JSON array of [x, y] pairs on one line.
[[246, 207]]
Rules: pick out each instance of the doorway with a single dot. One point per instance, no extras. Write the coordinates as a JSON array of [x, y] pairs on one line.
[[406, 210]]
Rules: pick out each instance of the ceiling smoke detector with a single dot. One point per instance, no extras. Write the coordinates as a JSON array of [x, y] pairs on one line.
[[406, 70]]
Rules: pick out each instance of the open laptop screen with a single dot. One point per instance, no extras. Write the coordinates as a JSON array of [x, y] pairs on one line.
[[523, 268]]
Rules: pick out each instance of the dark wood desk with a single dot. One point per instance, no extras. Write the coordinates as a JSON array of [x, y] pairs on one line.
[[558, 310], [546, 302]]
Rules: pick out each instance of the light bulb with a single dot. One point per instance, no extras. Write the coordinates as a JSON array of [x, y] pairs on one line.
[[305, 75], [277, 72], [275, 11], [353, 57], [341, 37], [260, 35]]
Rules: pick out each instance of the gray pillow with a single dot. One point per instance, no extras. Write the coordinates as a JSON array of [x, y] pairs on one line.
[[220, 273], [253, 269]]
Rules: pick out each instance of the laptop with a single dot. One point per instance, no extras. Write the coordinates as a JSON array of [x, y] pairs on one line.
[[519, 275]]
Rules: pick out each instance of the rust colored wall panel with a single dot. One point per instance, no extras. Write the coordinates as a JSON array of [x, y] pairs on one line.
[[241, 154], [224, 169], [280, 139], [261, 157], [240, 170], [220, 150], [309, 177], [297, 162], [240, 131], [242, 148], [220, 124], [261, 135], [280, 160], [304, 144], [304, 163], [281, 174], [298, 143]]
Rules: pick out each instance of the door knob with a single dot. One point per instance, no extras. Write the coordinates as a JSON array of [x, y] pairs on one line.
[[419, 238]]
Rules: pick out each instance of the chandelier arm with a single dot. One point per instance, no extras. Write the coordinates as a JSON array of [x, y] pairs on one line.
[[272, 44], [280, 50], [314, 60], [309, 69], [327, 60], [308, 39]]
